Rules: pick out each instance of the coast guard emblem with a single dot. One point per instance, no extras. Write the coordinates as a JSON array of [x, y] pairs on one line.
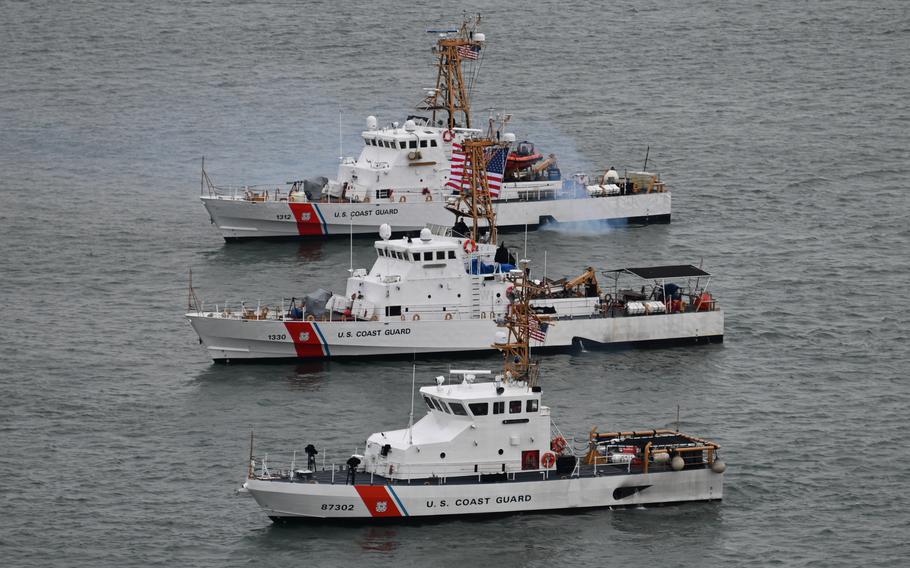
[[304, 336], [304, 216], [381, 506]]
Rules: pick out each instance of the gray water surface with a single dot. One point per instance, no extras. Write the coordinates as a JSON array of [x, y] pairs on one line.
[[782, 128]]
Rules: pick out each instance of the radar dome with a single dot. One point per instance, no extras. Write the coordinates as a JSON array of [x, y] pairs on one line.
[[385, 231], [372, 123], [480, 37], [425, 235], [508, 137], [410, 125]]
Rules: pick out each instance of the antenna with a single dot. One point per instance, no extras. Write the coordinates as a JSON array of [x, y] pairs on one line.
[[450, 94], [411, 416], [340, 148], [647, 153], [677, 417]]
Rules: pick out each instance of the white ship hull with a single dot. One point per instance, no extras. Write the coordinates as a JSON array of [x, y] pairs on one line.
[[235, 339], [325, 501], [243, 219]]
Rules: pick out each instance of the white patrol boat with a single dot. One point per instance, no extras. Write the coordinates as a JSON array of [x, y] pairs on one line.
[[489, 448], [437, 294], [407, 172]]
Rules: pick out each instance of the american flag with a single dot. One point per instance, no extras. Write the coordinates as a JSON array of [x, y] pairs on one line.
[[495, 169], [469, 51], [456, 176], [537, 329]]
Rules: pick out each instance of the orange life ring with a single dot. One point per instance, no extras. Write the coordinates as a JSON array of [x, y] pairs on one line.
[[428, 198], [402, 199], [469, 246], [311, 317], [416, 317], [548, 460], [448, 135], [448, 316], [558, 444]]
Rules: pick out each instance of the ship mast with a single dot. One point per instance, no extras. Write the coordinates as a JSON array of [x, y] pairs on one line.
[[474, 200], [520, 319], [451, 92]]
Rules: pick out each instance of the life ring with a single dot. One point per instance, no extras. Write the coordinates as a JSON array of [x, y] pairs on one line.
[[416, 317], [402, 199], [483, 315], [428, 198], [448, 316], [402, 318], [548, 460], [311, 317], [558, 444], [469, 246], [448, 135]]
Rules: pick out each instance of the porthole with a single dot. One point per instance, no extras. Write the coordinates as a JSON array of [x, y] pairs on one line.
[[500, 451], [442, 455]]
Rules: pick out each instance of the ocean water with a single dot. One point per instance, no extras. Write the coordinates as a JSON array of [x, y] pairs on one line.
[[782, 128]]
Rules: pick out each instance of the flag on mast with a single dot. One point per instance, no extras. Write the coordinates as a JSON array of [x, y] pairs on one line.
[[469, 51], [537, 329]]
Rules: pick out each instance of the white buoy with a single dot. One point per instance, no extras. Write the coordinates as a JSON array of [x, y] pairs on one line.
[[718, 466], [677, 463]]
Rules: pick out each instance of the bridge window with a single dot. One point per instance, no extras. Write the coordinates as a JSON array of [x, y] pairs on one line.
[[428, 256], [393, 310], [499, 407], [412, 144], [440, 255], [402, 145], [436, 404], [452, 254], [531, 406], [458, 409], [479, 408], [433, 143], [415, 256], [423, 143], [514, 406], [427, 400]]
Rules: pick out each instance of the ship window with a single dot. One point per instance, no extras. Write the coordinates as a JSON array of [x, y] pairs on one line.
[[423, 143], [428, 256], [382, 194], [531, 406], [445, 407], [393, 310], [415, 256], [412, 144], [440, 255], [514, 406], [400, 255], [458, 409], [433, 143], [452, 254], [499, 407], [380, 252], [436, 404], [479, 408], [426, 399], [402, 145]]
